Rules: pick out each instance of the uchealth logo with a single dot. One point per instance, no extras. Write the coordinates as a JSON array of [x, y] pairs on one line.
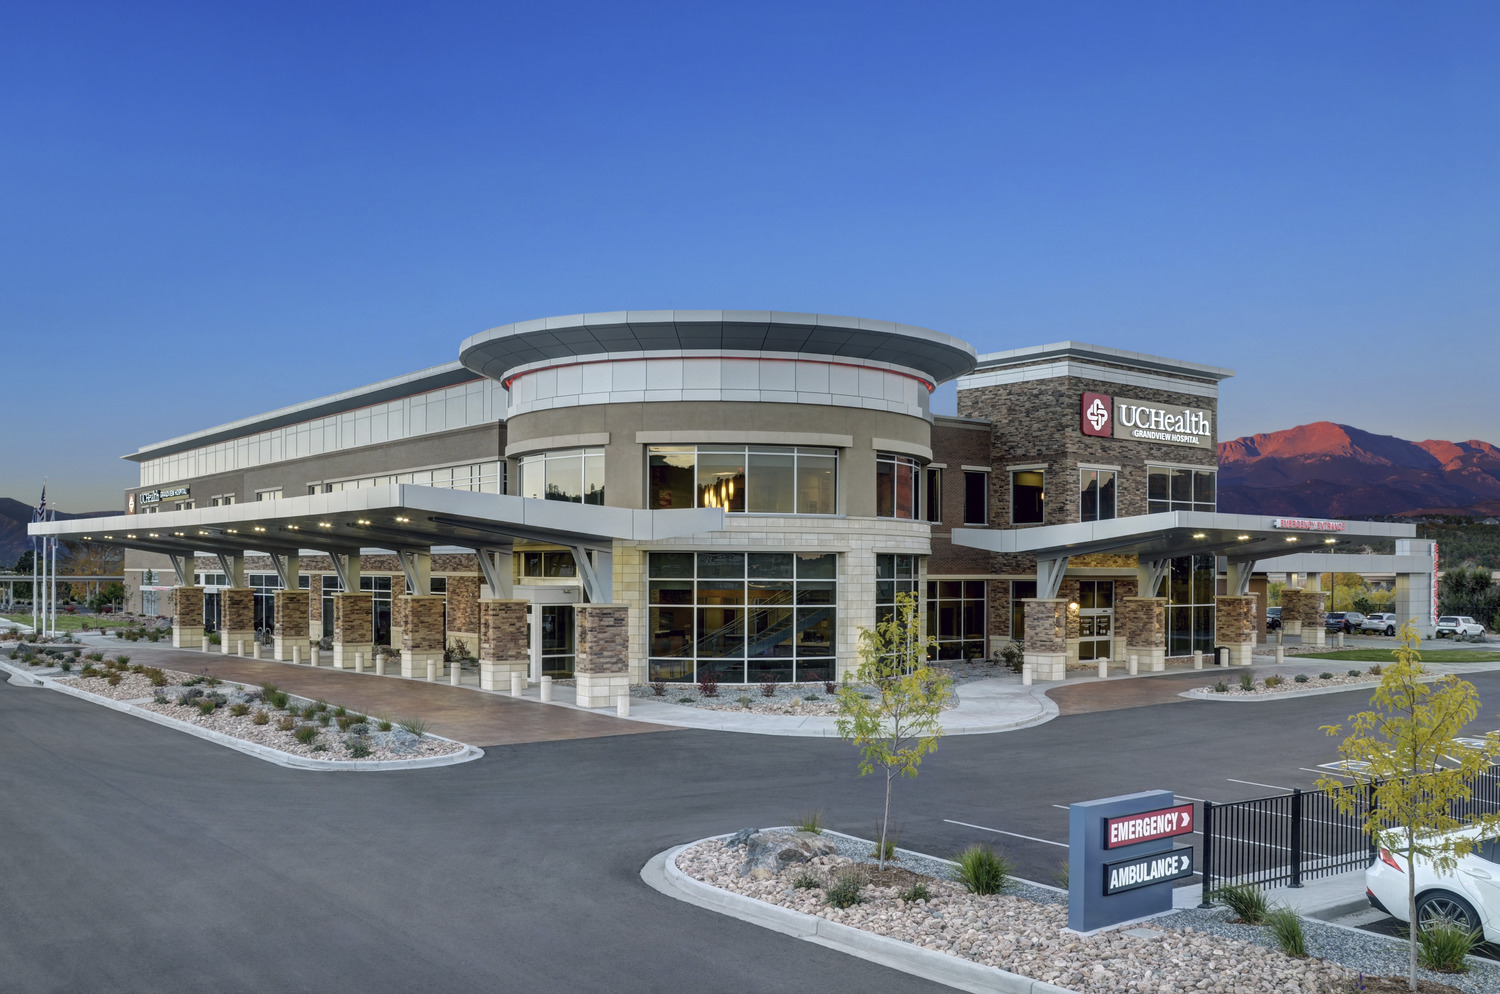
[[1097, 413]]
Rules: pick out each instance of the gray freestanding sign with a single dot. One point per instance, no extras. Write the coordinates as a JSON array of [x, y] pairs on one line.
[[1121, 861]]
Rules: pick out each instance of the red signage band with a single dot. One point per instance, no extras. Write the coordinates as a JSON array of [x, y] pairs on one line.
[[1309, 524], [1096, 414], [1147, 826]]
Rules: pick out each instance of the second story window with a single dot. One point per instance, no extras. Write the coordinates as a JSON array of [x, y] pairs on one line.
[[1026, 496], [1096, 494], [896, 487], [934, 495], [753, 479], [1181, 488], [575, 475], [976, 498]]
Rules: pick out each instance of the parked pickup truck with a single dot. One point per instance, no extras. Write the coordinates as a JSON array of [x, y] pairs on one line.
[[1458, 624], [1380, 624]]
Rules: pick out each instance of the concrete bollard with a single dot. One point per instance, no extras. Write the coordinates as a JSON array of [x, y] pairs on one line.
[[1135, 665], [255, 649], [1197, 659], [622, 705], [1341, 640], [359, 661], [432, 671], [1103, 668], [1279, 633], [205, 643], [380, 658], [314, 656], [546, 691], [1280, 654], [1025, 674], [517, 684], [239, 649], [296, 655], [455, 673]]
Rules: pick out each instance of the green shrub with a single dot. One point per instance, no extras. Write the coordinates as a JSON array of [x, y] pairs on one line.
[[67, 665], [339, 711], [845, 890], [916, 892], [215, 638], [1443, 946], [279, 700], [114, 679], [1375, 670], [306, 733], [1354, 672], [806, 880], [286, 723], [262, 717], [1325, 676], [1247, 682], [1221, 687], [359, 748], [122, 661], [684, 700], [892, 839], [324, 719], [1273, 681], [810, 820], [239, 710], [982, 870], [1286, 928], [1062, 874], [1247, 902], [416, 726], [1300, 678], [156, 675], [384, 724], [320, 747], [321, 705], [744, 700], [309, 711], [207, 705]]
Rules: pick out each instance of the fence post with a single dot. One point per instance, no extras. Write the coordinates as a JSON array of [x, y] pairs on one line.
[[1208, 852], [1296, 837], [1372, 807]]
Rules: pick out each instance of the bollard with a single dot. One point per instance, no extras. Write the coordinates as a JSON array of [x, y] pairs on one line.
[[622, 704], [255, 650], [1025, 674], [205, 643], [380, 664], [239, 647], [517, 684], [1341, 640], [1278, 636], [455, 673], [296, 654], [432, 671], [1135, 665], [1197, 659], [1103, 668], [546, 688], [359, 661], [1280, 654], [314, 656]]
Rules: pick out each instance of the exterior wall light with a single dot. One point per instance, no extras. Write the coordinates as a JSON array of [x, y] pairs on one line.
[[1072, 606]]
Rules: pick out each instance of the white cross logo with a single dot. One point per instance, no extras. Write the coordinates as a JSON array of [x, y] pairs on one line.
[[1097, 414]]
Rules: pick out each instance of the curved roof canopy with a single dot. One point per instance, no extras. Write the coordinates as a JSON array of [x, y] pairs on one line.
[[496, 352]]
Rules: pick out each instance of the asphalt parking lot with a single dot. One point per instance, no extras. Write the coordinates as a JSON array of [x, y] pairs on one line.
[[140, 859]]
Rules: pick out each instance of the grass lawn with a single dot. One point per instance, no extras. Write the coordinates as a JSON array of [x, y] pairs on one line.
[[71, 622], [1386, 655]]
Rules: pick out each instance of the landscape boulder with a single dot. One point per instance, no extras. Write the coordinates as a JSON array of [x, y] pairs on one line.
[[772, 850]]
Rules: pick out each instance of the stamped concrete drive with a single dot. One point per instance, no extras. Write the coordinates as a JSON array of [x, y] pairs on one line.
[[139, 859]]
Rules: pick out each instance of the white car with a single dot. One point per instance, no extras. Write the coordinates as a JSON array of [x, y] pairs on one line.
[[1380, 624], [1468, 897], [1458, 624]]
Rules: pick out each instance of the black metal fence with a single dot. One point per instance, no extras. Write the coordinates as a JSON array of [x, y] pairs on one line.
[[1286, 839]]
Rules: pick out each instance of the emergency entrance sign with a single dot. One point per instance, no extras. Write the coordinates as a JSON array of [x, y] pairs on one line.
[[1148, 826]]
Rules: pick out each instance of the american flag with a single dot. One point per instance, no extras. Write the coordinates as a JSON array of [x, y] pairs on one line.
[[40, 514]]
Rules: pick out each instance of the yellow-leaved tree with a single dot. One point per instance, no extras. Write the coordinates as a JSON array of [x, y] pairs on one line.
[[898, 724], [1395, 754]]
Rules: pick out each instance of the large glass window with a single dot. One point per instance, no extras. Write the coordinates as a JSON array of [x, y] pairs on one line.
[[955, 617], [1020, 591], [1178, 488], [749, 617], [265, 586], [755, 479], [575, 475], [894, 574], [934, 495], [1096, 498], [548, 565], [1190, 605], [896, 489], [485, 477], [976, 498], [379, 587], [1026, 497], [558, 645]]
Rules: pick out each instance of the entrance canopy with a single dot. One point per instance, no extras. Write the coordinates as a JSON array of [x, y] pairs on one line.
[[1156, 539], [398, 517]]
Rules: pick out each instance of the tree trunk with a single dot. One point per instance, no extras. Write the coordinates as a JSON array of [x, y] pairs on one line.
[[885, 821], [1411, 911]]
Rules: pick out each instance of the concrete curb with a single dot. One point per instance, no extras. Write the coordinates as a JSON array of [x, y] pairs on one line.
[[254, 749], [1199, 694], [661, 874]]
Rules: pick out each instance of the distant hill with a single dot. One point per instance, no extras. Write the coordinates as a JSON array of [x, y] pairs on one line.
[[14, 517], [1333, 470]]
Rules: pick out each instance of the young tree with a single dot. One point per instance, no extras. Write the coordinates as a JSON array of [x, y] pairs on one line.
[[1394, 752], [899, 725]]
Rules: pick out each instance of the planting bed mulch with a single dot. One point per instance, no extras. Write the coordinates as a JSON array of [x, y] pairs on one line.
[[1286, 683], [802, 699]]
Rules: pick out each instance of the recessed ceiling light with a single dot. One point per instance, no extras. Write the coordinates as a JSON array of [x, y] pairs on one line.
[[1200, 535]]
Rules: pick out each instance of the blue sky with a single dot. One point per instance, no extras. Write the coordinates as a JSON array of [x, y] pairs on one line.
[[210, 210]]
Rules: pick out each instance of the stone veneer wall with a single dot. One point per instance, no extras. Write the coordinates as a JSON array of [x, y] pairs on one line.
[[237, 609], [856, 540], [502, 630], [353, 619], [1234, 620], [1306, 606], [423, 631], [603, 639], [187, 608], [291, 614], [1145, 621], [1046, 625], [463, 609]]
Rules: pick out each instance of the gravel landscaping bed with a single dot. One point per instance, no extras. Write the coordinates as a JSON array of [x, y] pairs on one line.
[[1011, 932], [803, 699], [1287, 683]]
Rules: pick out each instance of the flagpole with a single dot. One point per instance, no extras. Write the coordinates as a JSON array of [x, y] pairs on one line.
[[36, 587], [54, 580]]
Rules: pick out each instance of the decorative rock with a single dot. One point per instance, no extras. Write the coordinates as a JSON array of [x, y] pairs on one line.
[[768, 852], [741, 837]]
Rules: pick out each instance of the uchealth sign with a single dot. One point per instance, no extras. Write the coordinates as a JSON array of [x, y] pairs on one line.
[[1309, 524], [1143, 871], [1104, 416], [1147, 826]]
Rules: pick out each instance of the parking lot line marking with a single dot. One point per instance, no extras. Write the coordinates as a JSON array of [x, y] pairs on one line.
[[1325, 773], [1254, 783], [1184, 797], [1063, 806], [1016, 835]]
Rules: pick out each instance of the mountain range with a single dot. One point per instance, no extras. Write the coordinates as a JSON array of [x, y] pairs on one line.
[[14, 517], [1333, 470]]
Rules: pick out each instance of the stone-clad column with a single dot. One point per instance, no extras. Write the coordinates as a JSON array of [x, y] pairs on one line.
[[423, 635], [1146, 632], [291, 624], [353, 629], [237, 619], [1234, 627], [1314, 627], [187, 617], [1046, 648], [503, 646], [602, 660]]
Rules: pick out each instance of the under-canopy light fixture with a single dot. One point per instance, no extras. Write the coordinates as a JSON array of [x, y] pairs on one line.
[[1330, 541], [259, 528], [1200, 535], [1244, 538], [324, 524], [402, 520], [362, 521], [1291, 538]]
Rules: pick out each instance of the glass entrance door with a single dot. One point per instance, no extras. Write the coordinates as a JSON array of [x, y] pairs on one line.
[[1096, 619]]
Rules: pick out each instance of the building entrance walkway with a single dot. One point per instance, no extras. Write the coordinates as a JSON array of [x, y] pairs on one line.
[[479, 719]]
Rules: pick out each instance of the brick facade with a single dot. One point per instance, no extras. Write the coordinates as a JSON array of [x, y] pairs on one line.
[[601, 665], [503, 645]]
